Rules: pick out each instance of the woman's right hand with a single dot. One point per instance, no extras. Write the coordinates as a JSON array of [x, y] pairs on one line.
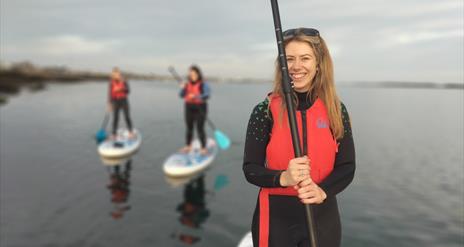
[[297, 171]]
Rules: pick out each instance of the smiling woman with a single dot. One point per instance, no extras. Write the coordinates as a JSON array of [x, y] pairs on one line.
[[328, 162]]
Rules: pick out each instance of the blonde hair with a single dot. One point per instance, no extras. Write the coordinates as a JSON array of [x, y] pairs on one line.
[[322, 86]]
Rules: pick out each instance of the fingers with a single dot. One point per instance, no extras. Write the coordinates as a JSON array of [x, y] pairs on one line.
[[310, 193], [297, 171], [307, 182], [313, 200], [301, 160]]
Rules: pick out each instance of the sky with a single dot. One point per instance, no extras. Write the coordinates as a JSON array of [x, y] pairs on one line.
[[369, 40]]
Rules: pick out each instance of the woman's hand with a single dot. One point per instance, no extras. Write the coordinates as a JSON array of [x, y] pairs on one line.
[[310, 193], [297, 171], [191, 96]]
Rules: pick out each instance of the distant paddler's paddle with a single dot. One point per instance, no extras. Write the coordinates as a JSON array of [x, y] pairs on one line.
[[101, 134], [221, 138]]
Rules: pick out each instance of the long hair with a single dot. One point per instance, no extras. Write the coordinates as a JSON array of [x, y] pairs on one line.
[[198, 71], [322, 86]]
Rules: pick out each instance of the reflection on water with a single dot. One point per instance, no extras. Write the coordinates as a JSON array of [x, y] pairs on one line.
[[119, 185], [193, 210]]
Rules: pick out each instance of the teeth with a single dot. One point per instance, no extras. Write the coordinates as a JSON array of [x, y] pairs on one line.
[[298, 76]]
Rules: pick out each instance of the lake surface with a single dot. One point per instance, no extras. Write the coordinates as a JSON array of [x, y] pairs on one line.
[[56, 191]]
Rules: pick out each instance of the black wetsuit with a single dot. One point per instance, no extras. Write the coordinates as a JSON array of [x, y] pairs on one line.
[[287, 224], [118, 105], [196, 114]]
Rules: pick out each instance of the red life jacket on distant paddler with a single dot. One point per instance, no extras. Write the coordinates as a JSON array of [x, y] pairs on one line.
[[118, 89], [194, 89], [321, 150]]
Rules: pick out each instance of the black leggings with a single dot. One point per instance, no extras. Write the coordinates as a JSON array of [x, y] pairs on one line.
[[117, 106], [196, 114]]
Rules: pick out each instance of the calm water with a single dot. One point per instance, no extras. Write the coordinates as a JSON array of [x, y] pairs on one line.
[[55, 190]]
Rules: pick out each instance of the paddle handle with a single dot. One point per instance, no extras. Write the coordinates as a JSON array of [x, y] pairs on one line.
[[287, 89]]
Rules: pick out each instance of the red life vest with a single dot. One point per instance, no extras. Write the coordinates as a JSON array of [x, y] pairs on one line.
[[118, 89], [195, 90], [321, 149]]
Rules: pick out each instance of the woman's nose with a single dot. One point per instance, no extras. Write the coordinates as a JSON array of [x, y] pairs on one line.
[[296, 65]]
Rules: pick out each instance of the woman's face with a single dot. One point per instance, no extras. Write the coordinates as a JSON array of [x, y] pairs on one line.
[[193, 75], [116, 75], [301, 64]]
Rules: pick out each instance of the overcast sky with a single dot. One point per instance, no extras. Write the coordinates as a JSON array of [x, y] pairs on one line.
[[370, 40]]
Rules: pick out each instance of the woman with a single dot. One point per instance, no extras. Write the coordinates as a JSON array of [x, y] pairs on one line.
[[195, 93], [117, 100], [328, 164]]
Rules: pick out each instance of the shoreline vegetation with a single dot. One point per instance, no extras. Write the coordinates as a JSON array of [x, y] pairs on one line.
[[15, 76]]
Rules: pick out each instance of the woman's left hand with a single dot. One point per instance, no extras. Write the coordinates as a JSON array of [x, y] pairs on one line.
[[309, 192]]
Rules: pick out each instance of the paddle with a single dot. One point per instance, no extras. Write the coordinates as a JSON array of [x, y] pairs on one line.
[[101, 134], [221, 138], [287, 89]]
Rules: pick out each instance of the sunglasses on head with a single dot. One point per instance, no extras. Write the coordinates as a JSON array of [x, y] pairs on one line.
[[306, 31]]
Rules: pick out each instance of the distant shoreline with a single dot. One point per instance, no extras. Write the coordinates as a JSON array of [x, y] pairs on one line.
[[411, 85], [26, 74]]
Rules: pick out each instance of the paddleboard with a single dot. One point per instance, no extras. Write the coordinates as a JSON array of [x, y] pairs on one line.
[[185, 164], [121, 146], [114, 161], [176, 182], [247, 241]]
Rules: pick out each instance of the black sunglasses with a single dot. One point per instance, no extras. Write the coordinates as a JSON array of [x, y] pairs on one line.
[[306, 31]]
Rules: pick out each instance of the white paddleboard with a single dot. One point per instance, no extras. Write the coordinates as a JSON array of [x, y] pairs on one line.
[[185, 164], [247, 241], [114, 161], [176, 182], [122, 146]]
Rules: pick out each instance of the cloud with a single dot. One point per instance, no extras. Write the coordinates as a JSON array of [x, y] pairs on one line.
[[76, 45], [410, 38], [235, 38], [63, 45], [391, 38]]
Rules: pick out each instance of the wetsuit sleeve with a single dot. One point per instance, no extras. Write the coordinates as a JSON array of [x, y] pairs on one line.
[[345, 162], [205, 91], [257, 138], [127, 87], [109, 91], [182, 92]]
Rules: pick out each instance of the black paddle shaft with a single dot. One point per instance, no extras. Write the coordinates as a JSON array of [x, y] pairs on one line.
[[287, 89], [105, 121]]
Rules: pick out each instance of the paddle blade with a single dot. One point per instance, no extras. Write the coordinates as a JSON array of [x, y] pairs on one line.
[[222, 140], [100, 136]]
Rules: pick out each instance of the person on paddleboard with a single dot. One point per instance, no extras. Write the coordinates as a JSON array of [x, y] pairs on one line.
[[195, 93], [118, 100], [328, 164]]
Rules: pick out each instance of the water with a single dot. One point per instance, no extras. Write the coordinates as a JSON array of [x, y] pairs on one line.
[[55, 191]]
